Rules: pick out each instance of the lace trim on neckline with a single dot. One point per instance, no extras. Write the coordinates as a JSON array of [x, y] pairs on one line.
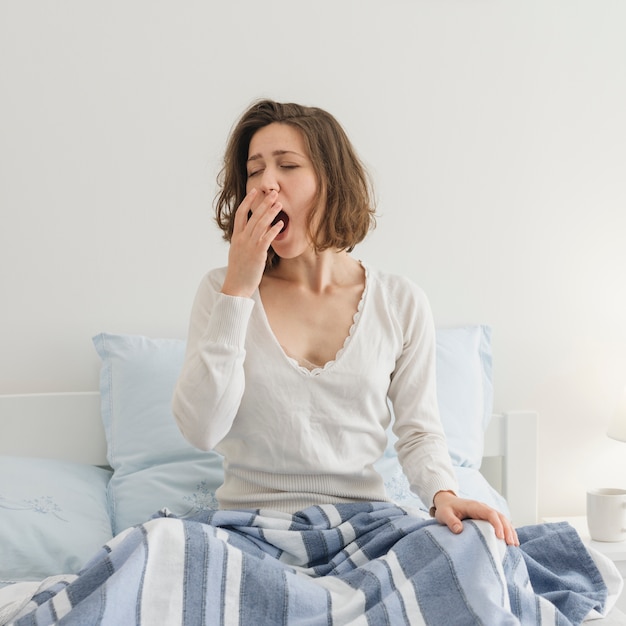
[[318, 369]]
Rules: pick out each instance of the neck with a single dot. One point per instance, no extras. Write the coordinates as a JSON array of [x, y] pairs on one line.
[[318, 272]]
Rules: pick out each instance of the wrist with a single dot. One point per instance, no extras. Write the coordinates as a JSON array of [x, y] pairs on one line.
[[438, 498], [238, 291]]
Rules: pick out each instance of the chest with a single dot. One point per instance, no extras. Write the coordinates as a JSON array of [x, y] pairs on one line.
[[312, 328]]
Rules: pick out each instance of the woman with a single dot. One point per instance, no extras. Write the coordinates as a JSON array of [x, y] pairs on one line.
[[295, 348], [294, 351]]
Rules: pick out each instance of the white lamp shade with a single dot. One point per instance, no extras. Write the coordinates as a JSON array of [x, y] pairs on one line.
[[617, 429]]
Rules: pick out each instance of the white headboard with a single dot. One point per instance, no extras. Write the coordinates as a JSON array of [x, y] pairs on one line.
[[68, 426], [54, 426]]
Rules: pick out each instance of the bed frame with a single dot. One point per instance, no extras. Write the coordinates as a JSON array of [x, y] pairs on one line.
[[68, 426]]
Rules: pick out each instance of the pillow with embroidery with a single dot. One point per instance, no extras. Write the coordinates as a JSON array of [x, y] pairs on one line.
[[53, 516], [154, 466]]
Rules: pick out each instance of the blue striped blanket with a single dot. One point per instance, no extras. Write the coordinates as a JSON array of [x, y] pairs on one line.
[[366, 563]]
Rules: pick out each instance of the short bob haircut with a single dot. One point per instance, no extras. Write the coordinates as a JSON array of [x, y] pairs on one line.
[[344, 196]]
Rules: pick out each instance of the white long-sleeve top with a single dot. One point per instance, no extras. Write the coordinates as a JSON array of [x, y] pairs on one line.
[[293, 437]]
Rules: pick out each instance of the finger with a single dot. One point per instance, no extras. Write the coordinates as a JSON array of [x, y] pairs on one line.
[[455, 525], [274, 231], [479, 510], [264, 201], [449, 519], [267, 210], [511, 535], [496, 522], [241, 214], [262, 225], [504, 530]]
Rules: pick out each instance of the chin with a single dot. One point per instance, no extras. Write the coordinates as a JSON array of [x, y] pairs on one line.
[[286, 253]]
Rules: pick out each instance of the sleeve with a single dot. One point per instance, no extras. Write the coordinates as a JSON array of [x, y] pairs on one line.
[[211, 383], [421, 446]]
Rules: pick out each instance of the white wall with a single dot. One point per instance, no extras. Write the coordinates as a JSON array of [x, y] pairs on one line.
[[496, 132]]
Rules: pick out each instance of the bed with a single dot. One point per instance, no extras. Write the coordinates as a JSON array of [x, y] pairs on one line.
[[79, 469]]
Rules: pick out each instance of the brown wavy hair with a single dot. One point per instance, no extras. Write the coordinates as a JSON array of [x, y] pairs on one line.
[[345, 194]]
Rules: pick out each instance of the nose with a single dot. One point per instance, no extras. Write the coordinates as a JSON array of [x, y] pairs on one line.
[[269, 181]]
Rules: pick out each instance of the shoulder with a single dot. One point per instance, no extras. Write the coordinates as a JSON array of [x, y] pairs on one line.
[[213, 280], [403, 306], [216, 276], [209, 288], [400, 292]]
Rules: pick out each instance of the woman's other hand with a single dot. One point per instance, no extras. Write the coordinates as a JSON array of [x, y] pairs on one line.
[[450, 510]]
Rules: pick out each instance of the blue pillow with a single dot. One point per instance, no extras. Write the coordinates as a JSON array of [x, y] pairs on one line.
[[53, 516], [465, 390], [472, 484], [153, 465]]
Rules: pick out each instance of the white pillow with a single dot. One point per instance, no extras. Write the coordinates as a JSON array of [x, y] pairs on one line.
[[154, 466], [53, 516]]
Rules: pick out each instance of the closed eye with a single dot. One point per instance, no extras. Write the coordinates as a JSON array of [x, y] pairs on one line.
[[284, 166]]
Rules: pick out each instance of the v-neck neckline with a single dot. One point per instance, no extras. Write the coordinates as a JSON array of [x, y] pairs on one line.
[[317, 369]]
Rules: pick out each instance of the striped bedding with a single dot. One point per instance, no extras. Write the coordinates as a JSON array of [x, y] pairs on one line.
[[366, 563]]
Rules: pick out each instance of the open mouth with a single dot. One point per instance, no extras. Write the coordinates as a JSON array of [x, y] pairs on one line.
[[282, 216]]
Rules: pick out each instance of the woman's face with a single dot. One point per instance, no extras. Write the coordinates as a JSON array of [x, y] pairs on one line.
[[279, 161]]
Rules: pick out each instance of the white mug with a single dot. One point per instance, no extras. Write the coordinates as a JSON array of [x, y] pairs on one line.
[[606, 514]]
